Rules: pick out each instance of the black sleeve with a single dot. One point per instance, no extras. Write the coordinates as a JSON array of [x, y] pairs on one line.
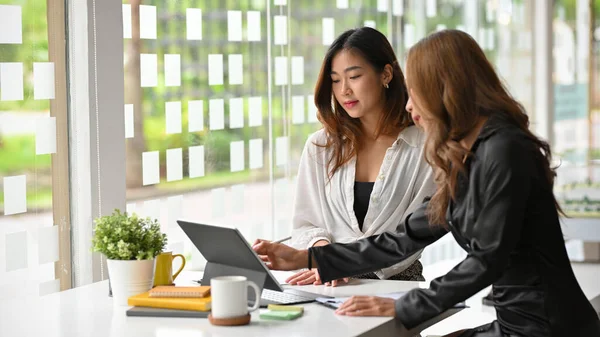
[[508, 171], [336, 261]]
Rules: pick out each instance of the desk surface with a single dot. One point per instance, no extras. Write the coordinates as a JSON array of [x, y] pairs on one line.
[[88, 311]]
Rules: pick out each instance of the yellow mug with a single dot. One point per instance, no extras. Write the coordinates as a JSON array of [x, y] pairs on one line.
[[163, 269]]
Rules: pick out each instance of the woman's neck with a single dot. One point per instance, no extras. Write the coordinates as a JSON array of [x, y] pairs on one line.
[[369, 124], [471, 137]]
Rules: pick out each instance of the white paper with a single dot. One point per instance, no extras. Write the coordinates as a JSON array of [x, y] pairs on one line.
[[255, 111], [254, 26], [256, 153], [15, 195], [196, 161], [370, 23], [193, 21], [174, 164], [236, 69], [279, 2], [11, 81], [129, 121], [216, 111], [489, 11], [281, 70], [398, 7], [481, 36], [131, 208], [16, 250], [281, 146], [195, 116], [45, 135], [215, 69], [49, 287], [431, 8], [175, 207], [236, 156], [11, 31], [440, 27], [147, 22], [150, 168], [409, 35], [341, 4], [281, 191], [280, 29], [237, 199], [48, 244], [148, 70], [382, 5], [152, 209], [173, 117], [126, 21], [297, 70], [234, 25], [218, 202], [312, 109], [236, 113], [172, 70], [328, 31], [297, 109], [43, 80], [461, 28]]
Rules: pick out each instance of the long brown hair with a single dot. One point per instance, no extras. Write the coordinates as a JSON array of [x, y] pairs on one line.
[[450, 71], [344, 132]]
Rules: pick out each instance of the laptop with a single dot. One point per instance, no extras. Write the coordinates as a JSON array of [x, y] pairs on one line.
[[227, 252]]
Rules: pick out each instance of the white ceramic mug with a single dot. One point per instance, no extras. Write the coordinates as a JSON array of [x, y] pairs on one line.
[[230, 296]]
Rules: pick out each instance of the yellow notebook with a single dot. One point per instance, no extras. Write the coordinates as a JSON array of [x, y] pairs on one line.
[[175, 291], [196, 304]]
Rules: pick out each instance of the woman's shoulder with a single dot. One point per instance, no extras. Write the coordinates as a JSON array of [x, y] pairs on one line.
[[413, 136], [317, 139]]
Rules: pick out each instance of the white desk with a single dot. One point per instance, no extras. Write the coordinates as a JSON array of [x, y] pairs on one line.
[[88, 311]]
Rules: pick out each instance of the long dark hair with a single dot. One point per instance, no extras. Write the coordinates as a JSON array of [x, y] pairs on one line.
[[344, 132], [459, 83]]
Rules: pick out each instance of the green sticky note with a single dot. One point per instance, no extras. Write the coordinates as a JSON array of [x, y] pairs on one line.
[[280, 315], [277, 307]]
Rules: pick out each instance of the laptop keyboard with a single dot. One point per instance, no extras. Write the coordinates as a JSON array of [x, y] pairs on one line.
[[281, 297]]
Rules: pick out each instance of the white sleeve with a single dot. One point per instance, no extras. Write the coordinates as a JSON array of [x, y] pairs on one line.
[[307, 221]]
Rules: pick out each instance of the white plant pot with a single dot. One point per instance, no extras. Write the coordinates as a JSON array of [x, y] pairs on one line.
[[129, 277]]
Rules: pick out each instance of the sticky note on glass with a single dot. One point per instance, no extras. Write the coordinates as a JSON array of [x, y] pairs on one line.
[[11, 31], [152, 209], [126, 21], [15, 195], [281, 70], [281, 147], [279, 2], [173, 117], [148, 70], [236, 156], [45, 135], [341, 4], [195, 116], [297, 109], [150, 168], [234, 25], [370, 23], [328, 27], [175, 207], [16, 251], [193, 23], [382, 5], [129, 124], [254, 26], [236, 113], [174, 164], [172, 70], [431, 8], [216, 111], [147, 22], [11, 81], [48, 244], [196, 161], [280, 30], [236, 69], [237, 198], [218, 202], [256, 153], [43, 80], [409, 35], [297, 70], [397, 7], [215, 69], [255, 111], [312, 109]]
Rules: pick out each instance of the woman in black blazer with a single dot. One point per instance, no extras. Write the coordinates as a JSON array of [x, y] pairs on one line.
[[494, 195]]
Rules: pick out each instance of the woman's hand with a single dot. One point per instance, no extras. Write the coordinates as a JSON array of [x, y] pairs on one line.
[[368, 306], [278, 256], [311, 277]]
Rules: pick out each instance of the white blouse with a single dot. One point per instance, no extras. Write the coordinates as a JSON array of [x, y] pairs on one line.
[[325, 210]]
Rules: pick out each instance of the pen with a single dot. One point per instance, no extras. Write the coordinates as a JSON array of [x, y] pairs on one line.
[[282, 240]]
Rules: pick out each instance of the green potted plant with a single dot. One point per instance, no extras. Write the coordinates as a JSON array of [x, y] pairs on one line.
[[130, 244]]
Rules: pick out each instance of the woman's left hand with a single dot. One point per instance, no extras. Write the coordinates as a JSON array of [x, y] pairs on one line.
[[368, 306]]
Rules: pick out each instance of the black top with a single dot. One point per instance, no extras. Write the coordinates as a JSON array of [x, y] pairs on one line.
[[362, 195], [504, 217]]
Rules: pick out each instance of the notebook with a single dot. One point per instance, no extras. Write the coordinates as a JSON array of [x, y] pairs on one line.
[[144, 300], [160, 312], [336, 302], [174, 291]]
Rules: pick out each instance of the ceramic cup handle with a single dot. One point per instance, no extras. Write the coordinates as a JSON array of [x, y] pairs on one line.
[[256, 296]]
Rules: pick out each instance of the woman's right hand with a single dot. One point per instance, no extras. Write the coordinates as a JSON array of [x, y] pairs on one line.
[[311, 277], [278, 256]]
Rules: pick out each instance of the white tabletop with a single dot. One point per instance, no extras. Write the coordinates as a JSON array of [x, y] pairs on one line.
[[88, 311]]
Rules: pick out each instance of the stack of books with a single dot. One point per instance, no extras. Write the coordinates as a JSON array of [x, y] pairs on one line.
[[172, 301]]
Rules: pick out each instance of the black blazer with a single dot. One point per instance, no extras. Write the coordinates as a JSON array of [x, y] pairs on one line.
[[504, 217]]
